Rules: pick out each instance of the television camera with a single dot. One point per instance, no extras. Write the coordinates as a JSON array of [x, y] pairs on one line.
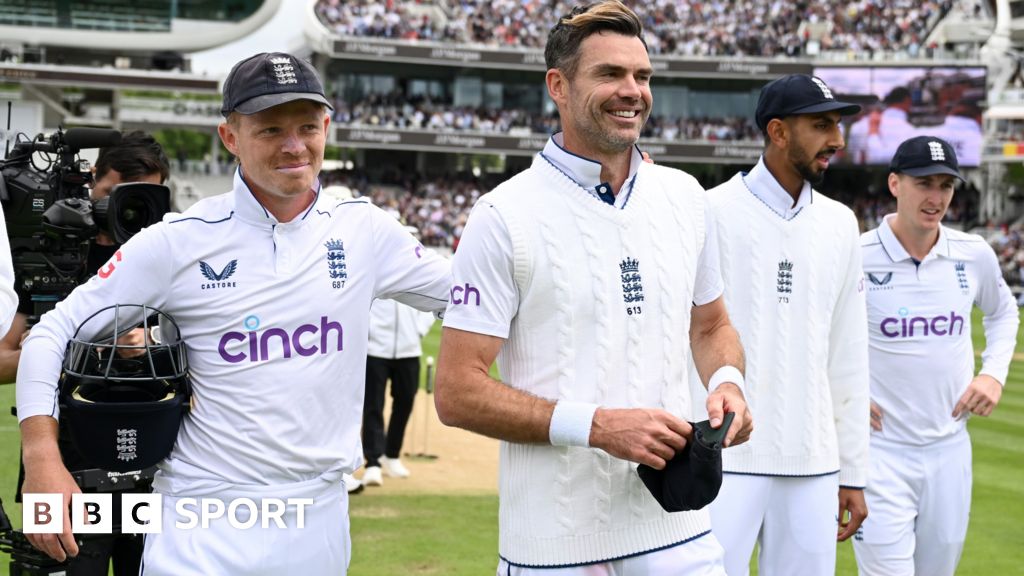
[[44, 187], [51, 219]]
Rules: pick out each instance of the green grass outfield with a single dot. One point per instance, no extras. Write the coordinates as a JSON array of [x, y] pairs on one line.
[[457, 535]]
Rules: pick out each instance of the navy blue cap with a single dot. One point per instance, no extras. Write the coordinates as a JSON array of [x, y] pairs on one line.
[[797, 94], [269, 79], [924, 156]]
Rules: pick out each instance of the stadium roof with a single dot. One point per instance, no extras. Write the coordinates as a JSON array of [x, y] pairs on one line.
[[105, 78], [132, 25]]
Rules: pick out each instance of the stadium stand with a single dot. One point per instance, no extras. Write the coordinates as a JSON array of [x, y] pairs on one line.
[[401, 20], [764, 28], [395, 111]]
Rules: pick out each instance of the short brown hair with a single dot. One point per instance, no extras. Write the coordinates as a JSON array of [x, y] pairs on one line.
[[563, 47]]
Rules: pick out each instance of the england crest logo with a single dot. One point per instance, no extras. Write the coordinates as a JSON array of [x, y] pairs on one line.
[[337, 269]]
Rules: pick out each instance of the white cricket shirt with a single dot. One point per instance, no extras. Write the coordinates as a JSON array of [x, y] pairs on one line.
[[794, 291], [275, 316], [919, 327], [593, 302], [490, 246]]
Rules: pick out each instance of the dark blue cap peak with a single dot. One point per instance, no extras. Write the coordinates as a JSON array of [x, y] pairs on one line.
[[269, 79], [924, 156], [797, 94]]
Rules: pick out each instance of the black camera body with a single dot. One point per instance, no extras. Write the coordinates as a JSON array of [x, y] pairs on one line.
[[51, 219]]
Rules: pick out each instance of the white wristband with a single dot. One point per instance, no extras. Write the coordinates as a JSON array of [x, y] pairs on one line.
[[726, 374], [570, 423]]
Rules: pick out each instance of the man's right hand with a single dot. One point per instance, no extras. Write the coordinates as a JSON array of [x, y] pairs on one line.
[[53, 479], [45, 474], [641, 435]]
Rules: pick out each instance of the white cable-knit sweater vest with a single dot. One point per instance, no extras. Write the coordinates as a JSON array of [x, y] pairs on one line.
[[604, 313], [794, 291]]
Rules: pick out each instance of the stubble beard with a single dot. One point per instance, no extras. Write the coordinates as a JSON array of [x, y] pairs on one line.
[[807, 171], [602, 138], [808, 174]]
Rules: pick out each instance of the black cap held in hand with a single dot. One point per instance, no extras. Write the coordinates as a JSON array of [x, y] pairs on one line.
[[924, 156], [269, 79], [690, 480], [797, 94]]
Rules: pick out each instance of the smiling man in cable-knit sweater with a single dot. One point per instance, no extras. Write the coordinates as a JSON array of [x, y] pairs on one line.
[[791, 262], [589, 278]]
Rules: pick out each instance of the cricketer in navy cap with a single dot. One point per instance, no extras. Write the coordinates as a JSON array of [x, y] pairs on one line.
[[924, 156], [797, 94], [269, 79]]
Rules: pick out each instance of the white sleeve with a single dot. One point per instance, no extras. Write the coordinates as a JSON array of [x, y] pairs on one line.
[[405, 270], [138, 273], [709, 284], [484, 297], [848, 367], [1001, 317], [8, 298]]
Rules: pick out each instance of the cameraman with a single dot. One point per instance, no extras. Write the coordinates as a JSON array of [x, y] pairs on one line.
[[138, 158]]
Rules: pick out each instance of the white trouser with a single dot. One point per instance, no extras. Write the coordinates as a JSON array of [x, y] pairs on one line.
[[793, 519], [320, 547], [701, 556], [919, 501]]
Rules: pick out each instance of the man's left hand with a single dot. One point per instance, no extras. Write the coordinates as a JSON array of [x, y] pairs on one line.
[[980, 397], [134, 344], [728, 398], [851, 500]]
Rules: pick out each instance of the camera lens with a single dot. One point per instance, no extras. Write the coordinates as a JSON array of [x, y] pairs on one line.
[[134, 206], [134, 214]]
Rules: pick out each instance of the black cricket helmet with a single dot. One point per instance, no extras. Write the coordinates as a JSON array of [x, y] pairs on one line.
[[124, 402]]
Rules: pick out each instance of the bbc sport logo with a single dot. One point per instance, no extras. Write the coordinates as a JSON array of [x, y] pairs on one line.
[[143, 513]]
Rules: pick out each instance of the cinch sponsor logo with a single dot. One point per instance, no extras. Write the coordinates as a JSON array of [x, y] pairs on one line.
[[258, 343], [462, 294], [907, 326]]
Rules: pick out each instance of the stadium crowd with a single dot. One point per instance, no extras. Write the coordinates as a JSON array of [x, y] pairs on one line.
[[1008, 243], [437, 207], [396, 111], [715, 28], [393, 110]]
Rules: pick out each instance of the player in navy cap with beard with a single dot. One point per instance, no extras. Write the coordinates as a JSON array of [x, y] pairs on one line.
[[790, 260]]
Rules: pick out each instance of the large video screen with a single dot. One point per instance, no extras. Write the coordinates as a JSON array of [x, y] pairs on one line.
[[900, 103]]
